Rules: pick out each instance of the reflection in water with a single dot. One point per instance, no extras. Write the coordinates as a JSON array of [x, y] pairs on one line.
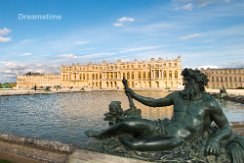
[[65, 116]]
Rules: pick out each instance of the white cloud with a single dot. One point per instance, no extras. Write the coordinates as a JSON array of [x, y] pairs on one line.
[[69, 56], [204, 3], [97, 55], [81, 42], [208, 66], [138, 49], [191, 36], [10, 65], [9, 75], [123, 21], [236, 64], [26, 54], [10, 69], [126, 19], [118, 24], [189, 5], [4, 31], [5, 39]]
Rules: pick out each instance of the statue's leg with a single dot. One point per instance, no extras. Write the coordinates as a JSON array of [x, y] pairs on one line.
[[158, 143], [137, 127]]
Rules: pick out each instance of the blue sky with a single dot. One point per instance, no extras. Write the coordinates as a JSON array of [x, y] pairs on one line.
[[203, 32]]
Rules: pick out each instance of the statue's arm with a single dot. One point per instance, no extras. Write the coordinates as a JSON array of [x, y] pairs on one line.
[[148, 101], [218, 116]]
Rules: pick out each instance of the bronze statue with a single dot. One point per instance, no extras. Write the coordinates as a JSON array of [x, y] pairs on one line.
[[194, 112]]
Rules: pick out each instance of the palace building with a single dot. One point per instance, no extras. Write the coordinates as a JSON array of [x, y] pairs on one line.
[[40, 80], [229, 78], [155, 73]]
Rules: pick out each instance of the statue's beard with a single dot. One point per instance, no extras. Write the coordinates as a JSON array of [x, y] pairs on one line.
[[190, 91]]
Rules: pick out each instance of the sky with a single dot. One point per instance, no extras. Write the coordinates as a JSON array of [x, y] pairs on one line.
[[205, 33]]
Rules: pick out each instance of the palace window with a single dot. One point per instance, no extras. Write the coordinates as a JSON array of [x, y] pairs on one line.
[[176, 75], [144, 75], [139, 75], [230, 79], [165, 74], [170, 74], [128, 75], [157, 74]]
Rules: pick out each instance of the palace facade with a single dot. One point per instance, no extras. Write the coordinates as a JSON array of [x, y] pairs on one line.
[[41, 80], [154, 73], [228, 78]]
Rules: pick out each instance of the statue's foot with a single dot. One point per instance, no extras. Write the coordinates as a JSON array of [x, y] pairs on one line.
[[92, 133]]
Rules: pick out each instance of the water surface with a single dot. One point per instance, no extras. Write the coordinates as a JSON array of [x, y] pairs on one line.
[[65, 116]]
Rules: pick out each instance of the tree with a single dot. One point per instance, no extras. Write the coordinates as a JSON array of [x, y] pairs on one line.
[[57, 87]]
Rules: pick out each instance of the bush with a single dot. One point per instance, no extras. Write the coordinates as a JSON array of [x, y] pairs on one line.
[[47, 89]]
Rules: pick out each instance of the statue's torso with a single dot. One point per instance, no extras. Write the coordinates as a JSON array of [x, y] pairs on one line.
[[189, 117]]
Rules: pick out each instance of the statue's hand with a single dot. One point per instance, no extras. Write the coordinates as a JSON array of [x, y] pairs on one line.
[[212, 147]]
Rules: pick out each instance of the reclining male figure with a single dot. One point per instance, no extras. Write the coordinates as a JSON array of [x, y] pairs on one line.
[[194, 111]]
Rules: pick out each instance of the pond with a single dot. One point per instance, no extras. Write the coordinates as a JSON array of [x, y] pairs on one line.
[[65, 116]]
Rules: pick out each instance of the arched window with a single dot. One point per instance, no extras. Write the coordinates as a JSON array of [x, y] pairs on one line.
[[170, 74], [165, 74], [128, 75], [139, 75], [144, 75], [176, 75]]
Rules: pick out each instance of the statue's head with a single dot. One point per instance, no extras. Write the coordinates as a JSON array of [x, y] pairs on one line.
[[194, 82], [115, 107]]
